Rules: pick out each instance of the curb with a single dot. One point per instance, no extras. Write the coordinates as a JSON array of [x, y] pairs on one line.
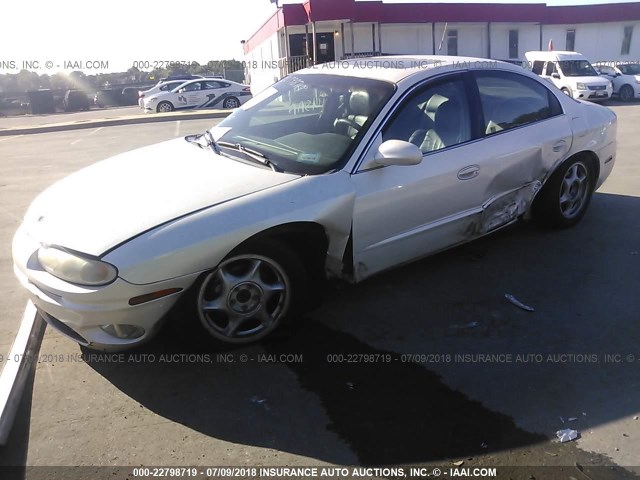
[[60, 127], [16, 369]]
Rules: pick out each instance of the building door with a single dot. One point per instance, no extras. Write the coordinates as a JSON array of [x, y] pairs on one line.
[[325, 47]]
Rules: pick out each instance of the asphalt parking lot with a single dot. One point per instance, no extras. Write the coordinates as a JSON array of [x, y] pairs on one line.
[[309, 397]]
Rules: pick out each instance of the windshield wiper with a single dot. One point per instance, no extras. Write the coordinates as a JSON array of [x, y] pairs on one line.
[[251, 153]]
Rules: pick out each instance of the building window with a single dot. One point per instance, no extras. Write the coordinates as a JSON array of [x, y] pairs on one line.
[[571, 40], [513, 43], [626, 41], [452, 42]]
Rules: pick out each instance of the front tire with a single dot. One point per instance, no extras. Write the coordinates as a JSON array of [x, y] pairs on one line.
[[626, 93], [164, 107], [565, 197], [251, 293]]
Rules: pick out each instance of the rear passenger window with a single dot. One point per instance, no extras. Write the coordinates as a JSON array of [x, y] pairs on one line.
[[511, 100]]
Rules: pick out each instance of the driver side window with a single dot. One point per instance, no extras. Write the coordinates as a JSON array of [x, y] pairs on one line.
[[434, 118], [192, 87]]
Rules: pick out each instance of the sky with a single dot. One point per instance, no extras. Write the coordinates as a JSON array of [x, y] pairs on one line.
[[115, 35]]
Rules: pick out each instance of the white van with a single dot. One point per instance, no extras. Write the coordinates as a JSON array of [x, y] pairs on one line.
[[571, 72]]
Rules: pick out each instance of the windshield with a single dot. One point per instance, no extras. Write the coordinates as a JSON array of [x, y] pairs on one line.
[[577, 68], [630, 69], [307, 124]]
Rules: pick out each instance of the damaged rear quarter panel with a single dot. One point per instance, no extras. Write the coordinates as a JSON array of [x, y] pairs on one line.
[[522, 160]]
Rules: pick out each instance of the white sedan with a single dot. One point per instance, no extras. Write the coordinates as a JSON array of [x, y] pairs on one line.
[[625, 78], [162, 86], [336, 172], [199, 93]]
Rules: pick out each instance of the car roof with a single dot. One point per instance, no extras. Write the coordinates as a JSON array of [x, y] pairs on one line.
[[554, 54], [396, 68]]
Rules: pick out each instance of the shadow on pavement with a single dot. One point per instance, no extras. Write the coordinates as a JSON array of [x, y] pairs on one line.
[[14, 453]]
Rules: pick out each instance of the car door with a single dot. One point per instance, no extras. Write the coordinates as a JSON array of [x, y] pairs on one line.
[[191, 95], [405, 212], [211, 91], [527, 133], [511, 132]]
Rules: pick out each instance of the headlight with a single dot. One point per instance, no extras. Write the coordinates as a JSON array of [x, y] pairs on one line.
[[74, 268], [581, 86]]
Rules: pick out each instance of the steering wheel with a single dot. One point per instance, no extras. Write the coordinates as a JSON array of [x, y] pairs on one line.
[[349, 123]]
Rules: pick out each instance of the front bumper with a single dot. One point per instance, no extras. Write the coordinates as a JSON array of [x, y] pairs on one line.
[[593, 95], [79, 312]]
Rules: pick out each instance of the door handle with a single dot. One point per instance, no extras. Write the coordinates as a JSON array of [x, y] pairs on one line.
[[467, 173]]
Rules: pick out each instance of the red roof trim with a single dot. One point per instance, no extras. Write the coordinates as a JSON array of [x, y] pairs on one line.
[[377, 11]]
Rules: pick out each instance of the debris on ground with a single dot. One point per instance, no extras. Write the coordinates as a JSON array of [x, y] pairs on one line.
[[458, 464], [518, 303], [260, 401], [552, 454], [466, 325], [567, 435], [635, 418]]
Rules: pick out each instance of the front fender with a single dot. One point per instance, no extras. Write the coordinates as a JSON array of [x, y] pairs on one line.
[[198, 242]]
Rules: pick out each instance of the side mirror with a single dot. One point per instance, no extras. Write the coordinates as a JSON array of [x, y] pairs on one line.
[[618, 75], [398, 152], [556, 75], [182, 90]]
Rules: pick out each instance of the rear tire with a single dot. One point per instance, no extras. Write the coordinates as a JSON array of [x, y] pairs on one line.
[[252, 292], [164, 107], [565, 197], [626, 93], [231, 102]]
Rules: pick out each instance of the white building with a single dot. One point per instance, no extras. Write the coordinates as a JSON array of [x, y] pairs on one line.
[[319, 31]]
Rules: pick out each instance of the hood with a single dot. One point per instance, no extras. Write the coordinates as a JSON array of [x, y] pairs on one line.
[[590, 80], [101, 206]]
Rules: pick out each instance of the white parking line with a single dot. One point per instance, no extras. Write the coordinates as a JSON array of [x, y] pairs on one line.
[[95, 131], [87, 135], [11, 138], [177, 134]]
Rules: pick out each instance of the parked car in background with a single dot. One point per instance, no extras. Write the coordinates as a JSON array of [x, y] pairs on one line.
[[184, 78], [13, 106], [199, 93], [625, 78], [75, 101], [161, 86], [108, 98], [379, 167], [130, 96], [571, 72]]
